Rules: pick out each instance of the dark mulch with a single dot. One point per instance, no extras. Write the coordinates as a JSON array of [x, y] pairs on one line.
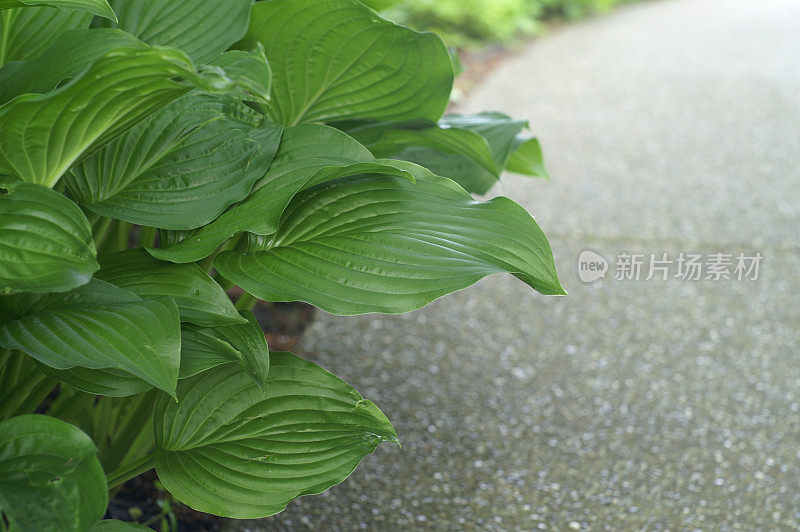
[[283, 323], [142, 500]]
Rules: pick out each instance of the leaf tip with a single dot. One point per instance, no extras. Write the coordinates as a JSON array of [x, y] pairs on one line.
[[556, 289]]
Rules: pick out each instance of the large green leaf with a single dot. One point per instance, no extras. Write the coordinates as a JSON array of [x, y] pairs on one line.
[[100, 326], [69, 55], [199, 298], [378, 5], [260, 214], [14, 305], [45, 240], [304, 150], [44, 135], [95, 7], [527, 158], [112, 525], [230, 449], [201, 28], [250, 71], [337, 60], [50, 477], [384, 244], [500, 132], [179, 168], [27, 32], [109, 382], [389, 139], [204, 348]]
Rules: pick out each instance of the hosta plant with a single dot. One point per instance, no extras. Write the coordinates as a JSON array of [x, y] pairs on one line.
[[157, 154]]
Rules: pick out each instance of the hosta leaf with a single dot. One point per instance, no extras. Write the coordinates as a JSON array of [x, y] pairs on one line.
[[250, 70], [108, 382], [378, 5], [464, 171], [384, 244], [95, 7], [112, 525], [27, 32], [199, 298], [117, 91], [331, 173], [393, 139], [337, 60], [261, 212], [14, 305], [498, 129], [201, 28], [203, 348], [230, 449], [95, 293], [179, 168], [527, 159], [71, 53], [50, 477], [499, 132], [304, 150], [101, 326], [45, 240]]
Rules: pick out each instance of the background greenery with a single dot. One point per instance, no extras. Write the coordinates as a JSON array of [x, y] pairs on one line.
[[481, 21]]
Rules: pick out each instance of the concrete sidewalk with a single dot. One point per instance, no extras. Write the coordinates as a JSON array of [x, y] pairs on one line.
[[669, 126]]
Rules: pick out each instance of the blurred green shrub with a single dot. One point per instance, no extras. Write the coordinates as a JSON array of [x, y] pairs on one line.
[[464, 23], [571, 9]]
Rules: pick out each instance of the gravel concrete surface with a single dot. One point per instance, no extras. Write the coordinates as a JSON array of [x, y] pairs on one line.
[[669, 126]]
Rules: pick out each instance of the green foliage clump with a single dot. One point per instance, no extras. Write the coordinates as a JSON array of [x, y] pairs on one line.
[[481, 21], [157, 156], [462, 23], [571, 9]]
